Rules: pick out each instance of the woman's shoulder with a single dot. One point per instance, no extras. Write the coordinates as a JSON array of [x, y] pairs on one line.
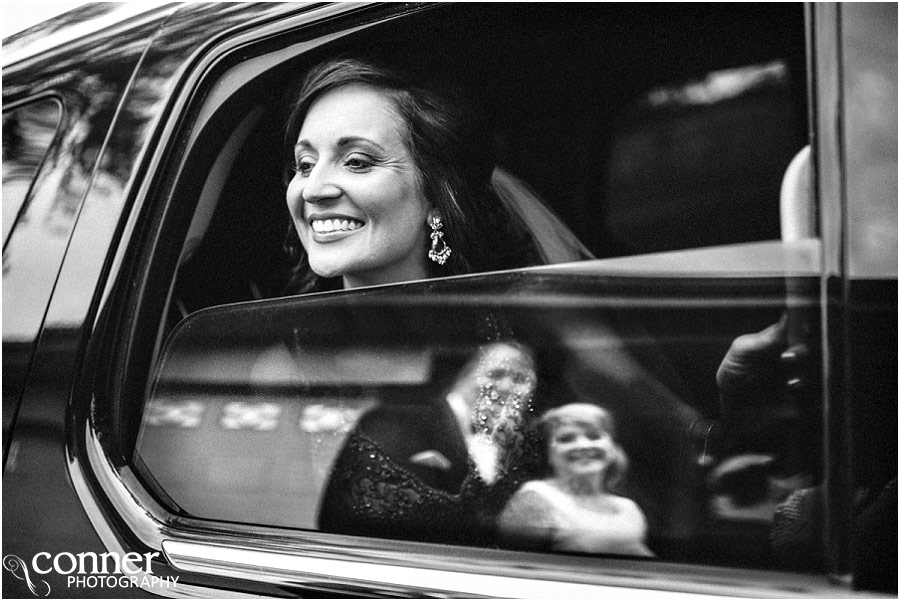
[[540, 488], [529, 506], [534, 493], [624, 503], [542, 493], [629, 509]]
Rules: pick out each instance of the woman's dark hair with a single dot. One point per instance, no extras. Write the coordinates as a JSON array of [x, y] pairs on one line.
[[451, 147]]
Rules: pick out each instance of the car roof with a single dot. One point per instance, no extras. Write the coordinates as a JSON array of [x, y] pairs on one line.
[[71, 29]]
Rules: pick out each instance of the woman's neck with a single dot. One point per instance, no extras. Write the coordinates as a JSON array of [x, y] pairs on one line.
[[581, 485], [406, 271]]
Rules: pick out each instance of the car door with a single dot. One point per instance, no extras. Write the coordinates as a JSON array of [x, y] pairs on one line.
[[208, 433]]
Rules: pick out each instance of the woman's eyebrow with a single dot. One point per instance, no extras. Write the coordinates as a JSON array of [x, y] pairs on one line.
[[341, 143], [344, 141], [355, 139]]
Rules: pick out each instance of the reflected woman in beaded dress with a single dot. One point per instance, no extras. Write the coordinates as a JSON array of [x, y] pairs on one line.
[[439, 471]]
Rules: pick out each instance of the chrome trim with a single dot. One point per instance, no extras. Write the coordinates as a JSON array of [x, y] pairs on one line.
[[284, 569], [77, 471], [830, 169], [442, 578], [827, 136]]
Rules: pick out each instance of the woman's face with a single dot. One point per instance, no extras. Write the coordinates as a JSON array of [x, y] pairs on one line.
[[355, 197], [580, 449]]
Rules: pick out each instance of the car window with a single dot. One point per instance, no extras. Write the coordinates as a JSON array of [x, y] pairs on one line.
[[329, 414], [658, 163], [28, 132], [716, 132]]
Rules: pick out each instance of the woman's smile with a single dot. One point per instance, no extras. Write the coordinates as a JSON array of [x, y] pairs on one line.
[[584, 455], [331, 227]]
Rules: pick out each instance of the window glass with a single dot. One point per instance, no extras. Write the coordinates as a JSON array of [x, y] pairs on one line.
[[420, 411], [27, 134]]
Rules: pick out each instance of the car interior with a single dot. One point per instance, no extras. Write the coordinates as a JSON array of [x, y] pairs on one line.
[[639, 140]]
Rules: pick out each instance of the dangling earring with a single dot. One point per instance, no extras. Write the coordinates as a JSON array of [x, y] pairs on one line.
[[440, 251]]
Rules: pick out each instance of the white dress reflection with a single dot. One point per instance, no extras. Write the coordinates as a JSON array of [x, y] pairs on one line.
[[573, 509]]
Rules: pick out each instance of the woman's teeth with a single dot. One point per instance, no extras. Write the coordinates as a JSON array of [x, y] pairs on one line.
[[335, 225]]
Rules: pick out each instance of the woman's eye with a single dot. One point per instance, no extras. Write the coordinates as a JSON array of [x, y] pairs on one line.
[[563, 438], [303, 166], [359, 162]]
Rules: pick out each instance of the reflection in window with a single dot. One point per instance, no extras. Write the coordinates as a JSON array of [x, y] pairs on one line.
[[423, 420], [27, 134], [181, 414], [719, 86]]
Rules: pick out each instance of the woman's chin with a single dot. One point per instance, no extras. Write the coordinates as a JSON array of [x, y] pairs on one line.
[[326, 269]]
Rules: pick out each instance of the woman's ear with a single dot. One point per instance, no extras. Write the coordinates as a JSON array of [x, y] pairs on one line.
[[433, 214]]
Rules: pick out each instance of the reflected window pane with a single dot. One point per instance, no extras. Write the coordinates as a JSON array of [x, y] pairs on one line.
[[27, 134]]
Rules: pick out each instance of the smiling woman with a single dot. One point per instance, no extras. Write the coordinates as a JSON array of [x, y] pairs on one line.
[[355, 197], [382, 165], [574, 509]]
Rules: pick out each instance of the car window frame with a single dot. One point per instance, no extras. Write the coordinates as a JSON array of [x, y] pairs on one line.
[[106, 483]]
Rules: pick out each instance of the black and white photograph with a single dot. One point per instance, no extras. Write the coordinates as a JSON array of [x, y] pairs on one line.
[[540, 300]]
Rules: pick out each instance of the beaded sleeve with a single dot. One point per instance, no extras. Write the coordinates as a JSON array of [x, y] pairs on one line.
[[369, 494]]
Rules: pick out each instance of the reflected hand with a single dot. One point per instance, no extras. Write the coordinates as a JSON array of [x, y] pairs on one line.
[[510, 424], [753, 383], [499, 435]]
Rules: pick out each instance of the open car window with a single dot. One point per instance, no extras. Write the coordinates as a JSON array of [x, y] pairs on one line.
[[686, 151], [655, 164]]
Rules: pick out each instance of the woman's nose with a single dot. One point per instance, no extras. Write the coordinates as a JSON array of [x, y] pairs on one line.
[[588, 442], [580, 442], [319, 185]]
